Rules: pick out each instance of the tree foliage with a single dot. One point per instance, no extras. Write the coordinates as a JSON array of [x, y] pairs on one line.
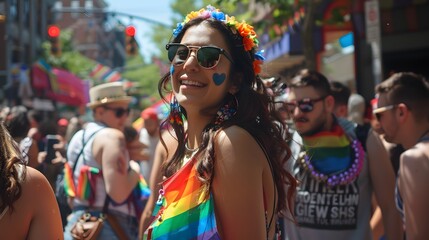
[[69, 59], [144, 76]]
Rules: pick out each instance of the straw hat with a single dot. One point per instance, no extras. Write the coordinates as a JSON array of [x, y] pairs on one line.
[[107, 93]]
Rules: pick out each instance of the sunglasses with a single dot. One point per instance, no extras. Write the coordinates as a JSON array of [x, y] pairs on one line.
[[207, 56], [305, 105], [378, 111], [119, 112]]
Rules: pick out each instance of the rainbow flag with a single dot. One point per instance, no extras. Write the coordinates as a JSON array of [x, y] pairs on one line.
[[330, 149], [140, 195], [141, 190], [69, 186], [186, 210], [86, 183]]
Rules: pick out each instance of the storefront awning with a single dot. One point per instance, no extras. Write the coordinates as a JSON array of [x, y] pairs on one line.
[[59, 85], [286, 51]]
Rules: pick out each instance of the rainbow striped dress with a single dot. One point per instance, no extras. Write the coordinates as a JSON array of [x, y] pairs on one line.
[[184, 210]]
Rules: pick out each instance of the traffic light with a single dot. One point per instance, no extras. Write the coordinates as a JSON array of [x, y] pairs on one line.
[[130, 46], [130, 42], [130, 31], [54, 33]]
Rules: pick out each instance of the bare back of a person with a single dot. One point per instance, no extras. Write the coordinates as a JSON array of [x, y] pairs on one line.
[[413, 185], [236, 165], [35, 214]]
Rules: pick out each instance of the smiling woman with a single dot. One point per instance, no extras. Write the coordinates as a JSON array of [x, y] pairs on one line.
[[228, 137]]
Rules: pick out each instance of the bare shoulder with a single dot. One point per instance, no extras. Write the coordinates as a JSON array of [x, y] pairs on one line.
[[108, 137], [34, 177], [110, 134], [416, 160], [232, 137], [169, 138], [414, 167], [35, 182], [35, 190], [166, 150], [373, 137], [238, 147]]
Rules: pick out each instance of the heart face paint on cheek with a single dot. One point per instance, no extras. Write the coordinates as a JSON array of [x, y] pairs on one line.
[[171, 69], [219, 78]]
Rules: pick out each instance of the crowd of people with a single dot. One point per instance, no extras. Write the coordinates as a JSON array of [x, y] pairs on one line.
[[234, 159]]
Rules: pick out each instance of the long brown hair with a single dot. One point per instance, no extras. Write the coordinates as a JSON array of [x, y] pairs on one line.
[[10, 186], [256, 114]]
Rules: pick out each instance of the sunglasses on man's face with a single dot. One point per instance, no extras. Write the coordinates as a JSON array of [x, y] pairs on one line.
[[305, 105], [378, 111], [119, 112], [207, 56]]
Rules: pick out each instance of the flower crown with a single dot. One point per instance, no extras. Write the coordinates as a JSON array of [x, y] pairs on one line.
[[246, 31]]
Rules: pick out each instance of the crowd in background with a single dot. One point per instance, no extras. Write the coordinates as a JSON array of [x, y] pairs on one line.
[[238, 157], [29, 131]]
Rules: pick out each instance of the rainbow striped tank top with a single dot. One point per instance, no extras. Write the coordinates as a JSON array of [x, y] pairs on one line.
[[184, 210]]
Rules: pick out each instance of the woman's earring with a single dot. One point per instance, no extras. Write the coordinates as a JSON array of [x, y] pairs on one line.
[[175, 112]]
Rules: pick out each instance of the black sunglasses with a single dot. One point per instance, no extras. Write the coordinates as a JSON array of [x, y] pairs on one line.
[[207, 56], [305, 105], [119, 112]]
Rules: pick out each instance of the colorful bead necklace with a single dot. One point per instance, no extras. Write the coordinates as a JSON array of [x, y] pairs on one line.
[[338, 178]]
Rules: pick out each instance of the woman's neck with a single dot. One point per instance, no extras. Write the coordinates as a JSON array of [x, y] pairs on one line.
[[195, 127]]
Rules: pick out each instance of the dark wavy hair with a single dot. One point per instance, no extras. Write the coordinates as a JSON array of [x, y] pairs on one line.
[[10, 186], [17, 123], [310, 78], [255, 113]]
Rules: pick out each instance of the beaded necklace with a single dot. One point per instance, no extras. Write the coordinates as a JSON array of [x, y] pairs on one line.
[[337, 178]]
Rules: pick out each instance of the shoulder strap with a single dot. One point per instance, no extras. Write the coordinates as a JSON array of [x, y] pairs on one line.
[[274, 183], [83, 146]]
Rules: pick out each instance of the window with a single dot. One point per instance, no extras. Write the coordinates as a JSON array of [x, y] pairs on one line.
[[75, 6]]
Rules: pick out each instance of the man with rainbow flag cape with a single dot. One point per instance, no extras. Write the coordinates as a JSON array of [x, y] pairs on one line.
[[99, 176], [337, 180]]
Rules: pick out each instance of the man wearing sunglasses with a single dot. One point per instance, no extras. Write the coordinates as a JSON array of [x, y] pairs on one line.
[[333, 199], [403, 114], [98, 153]]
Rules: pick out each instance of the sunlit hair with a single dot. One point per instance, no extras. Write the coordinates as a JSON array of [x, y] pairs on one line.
[[10, 178], [408, 88], [255, 113], [311, 78]]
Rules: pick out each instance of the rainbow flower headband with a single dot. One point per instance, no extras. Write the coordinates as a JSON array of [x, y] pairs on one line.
[[250, 40]]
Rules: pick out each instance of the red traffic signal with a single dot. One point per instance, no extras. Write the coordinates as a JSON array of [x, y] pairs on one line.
[[130, 31], [131, 46], [54, 31], [55, 46]]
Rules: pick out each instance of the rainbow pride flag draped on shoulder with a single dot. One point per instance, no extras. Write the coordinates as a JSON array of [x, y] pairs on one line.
[[184, 210]]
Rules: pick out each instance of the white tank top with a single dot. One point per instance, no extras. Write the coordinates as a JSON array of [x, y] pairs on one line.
[[86, 158]]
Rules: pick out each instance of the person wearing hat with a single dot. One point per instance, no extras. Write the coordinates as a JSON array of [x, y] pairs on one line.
[[100, 155]]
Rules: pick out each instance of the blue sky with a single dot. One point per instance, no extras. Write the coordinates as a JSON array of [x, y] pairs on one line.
[[157, 10]]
